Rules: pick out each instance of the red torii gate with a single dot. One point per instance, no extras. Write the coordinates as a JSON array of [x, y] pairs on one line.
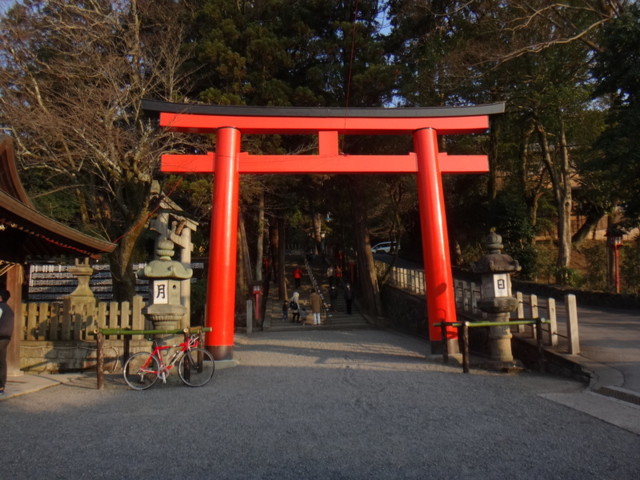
[[228, 123]]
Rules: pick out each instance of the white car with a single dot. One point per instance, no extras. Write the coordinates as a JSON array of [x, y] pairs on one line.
[[385, 247]]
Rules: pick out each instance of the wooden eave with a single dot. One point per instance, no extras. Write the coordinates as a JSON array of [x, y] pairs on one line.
[[26, 232]]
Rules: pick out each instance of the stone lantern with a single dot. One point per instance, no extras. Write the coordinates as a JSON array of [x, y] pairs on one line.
[[81, 303], [496, 269], [165, 275]]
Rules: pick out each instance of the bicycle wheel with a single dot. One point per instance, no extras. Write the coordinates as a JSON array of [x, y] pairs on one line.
[[196, 367], [141, 371]]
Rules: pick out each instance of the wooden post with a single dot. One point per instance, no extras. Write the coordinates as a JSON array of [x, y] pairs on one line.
[[533, 301], [520, 310], [126, 349], [249, 317], [539, 344], [553, 322], [445, 349], [100, 359], [465, 347], [572, 324]]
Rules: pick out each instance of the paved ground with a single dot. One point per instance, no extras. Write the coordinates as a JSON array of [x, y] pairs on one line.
[[609, 342], [611, 338], [329, 404], [340, 401]]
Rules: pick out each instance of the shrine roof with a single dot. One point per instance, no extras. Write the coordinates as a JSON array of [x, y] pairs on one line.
[[322, 112], [206, 119], [24, 231]]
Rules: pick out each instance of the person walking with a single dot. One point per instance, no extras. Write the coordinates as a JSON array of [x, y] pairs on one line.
[[338, 274], [6, 330], [316, 306], [294, 305], [285, 311], [348, 297], [297, 276], [330, 272]]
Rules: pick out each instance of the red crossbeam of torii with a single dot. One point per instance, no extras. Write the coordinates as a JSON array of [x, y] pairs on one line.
[[229, 123]]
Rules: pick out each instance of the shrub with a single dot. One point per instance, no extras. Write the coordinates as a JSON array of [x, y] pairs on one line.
[[630, 268], [596, 266]]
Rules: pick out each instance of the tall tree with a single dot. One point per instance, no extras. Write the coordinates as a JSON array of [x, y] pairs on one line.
[[617, 70], [273, 52], [532, 54], [72, 74]]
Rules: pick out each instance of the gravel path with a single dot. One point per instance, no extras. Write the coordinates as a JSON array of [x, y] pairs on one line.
[[359, 404]]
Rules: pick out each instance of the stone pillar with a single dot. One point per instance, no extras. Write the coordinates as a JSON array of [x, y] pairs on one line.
[[181, 236]]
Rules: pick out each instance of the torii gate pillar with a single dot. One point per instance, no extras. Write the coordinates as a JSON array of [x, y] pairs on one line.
[[435, 239], [221, 284]]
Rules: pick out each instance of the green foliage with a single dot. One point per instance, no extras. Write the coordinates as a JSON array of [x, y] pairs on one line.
[[367, 53], [617, 70], [569, 277], [545, 264], [596, 265], [630, 268], [509, 215]]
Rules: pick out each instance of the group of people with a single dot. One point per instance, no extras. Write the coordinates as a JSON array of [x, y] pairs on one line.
[[299, 314], [334, 275]]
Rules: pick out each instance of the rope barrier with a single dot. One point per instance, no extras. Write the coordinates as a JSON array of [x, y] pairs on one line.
[[464, 326]]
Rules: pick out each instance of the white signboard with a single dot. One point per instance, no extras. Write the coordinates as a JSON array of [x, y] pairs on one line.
[[501, 284], [160, 291]]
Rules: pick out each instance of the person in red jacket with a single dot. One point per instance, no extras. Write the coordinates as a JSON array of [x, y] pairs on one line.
[[297, 276]]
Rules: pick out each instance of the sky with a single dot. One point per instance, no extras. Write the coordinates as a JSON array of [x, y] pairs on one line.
[[5, 4]]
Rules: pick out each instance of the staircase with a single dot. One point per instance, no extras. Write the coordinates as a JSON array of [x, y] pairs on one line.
[[334, 311]]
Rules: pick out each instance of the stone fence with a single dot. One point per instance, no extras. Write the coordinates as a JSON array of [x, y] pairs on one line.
[[529, 306], [412, 282], [57, 337], [68, 321]]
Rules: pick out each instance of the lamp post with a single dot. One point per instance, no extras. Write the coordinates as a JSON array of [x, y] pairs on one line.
[[496, 301], [614, 242], [165, 310]]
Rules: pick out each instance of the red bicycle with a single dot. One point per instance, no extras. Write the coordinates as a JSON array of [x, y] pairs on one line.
[[195, 365]]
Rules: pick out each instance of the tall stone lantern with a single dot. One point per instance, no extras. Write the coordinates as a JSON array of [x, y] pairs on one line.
[[496, 269], [165, 275]]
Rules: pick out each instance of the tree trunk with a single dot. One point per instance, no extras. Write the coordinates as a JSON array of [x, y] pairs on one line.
[[260, 239], [587, 227], [561, 183], [369, 288], [317, 232], [565, 204], [123, 282], [274, 250], [245, 276], [492, 188], [282, 277]]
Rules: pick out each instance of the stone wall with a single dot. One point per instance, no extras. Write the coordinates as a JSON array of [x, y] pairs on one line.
[[73, 356], [405, 311]]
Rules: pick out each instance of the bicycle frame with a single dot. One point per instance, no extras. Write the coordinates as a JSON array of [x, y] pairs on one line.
[[192, 341]]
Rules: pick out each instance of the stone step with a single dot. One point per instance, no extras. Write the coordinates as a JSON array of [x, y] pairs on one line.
[[333, 316]]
